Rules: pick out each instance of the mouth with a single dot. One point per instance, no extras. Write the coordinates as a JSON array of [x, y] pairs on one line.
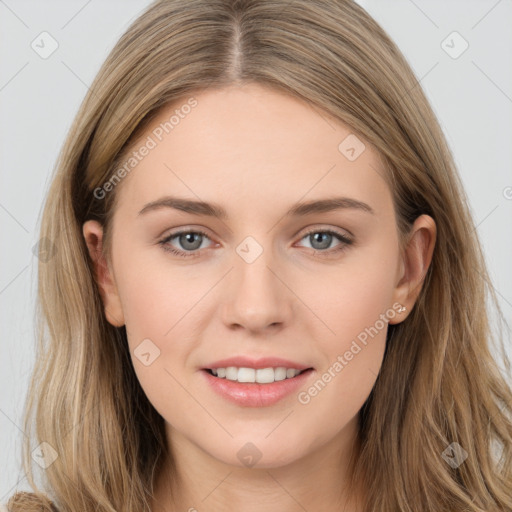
[[256, 387], [251, 387]]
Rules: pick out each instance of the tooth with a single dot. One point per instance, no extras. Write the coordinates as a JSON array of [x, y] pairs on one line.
[[290, 373], [260, 375], [280, 373], [247, 375], [265, 375], [231, 373]]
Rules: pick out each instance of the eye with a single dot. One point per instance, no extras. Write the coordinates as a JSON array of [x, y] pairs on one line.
[[322, 242], [190, 240]]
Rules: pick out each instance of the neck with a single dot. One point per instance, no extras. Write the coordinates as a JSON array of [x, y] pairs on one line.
[[196, 481]]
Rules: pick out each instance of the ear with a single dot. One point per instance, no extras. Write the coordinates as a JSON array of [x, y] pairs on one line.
[[414, 264], [93, 234]]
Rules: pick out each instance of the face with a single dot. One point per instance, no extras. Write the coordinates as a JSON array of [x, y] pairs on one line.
[[311, 289]]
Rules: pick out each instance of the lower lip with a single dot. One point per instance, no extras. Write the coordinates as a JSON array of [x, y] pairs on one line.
[[253, 394]]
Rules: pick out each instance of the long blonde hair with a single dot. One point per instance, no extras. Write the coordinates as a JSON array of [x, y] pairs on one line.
[[439, 383]]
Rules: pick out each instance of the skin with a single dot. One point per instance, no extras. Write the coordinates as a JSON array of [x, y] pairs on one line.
[[256, 152]]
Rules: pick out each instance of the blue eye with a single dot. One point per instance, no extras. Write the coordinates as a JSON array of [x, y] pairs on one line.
[[185, 238], [327, 236], [191, 241]]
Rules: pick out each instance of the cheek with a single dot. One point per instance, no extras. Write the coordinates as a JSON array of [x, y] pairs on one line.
[[155, 305], [160, 339], [155, 296], [355, 302], [353, 294]]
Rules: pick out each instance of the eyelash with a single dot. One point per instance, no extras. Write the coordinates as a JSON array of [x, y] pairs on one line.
[[191, 254]]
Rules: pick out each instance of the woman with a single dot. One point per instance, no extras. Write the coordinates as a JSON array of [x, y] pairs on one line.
[[263, 368]]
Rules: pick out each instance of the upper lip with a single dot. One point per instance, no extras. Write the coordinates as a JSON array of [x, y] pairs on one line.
[[256, 363]]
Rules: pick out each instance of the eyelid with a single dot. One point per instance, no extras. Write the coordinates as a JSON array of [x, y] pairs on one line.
[[186, 229], [343, 239], [314, 228]]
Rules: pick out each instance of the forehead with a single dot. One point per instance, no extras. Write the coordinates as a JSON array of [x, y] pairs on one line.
[[249, 143]]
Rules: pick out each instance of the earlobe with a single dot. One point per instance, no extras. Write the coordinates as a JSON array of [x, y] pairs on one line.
[[415, 263], [93, 235]]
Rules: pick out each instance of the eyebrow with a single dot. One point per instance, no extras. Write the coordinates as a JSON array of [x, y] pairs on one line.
[[217, 211]]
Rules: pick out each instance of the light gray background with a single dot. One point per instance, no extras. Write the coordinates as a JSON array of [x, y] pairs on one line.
[[472, 96]]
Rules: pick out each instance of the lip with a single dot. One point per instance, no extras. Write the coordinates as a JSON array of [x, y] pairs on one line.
[[253, 394], [262, 362]]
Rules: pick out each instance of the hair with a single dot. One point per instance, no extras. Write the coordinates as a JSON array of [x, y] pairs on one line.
[[439, 382]]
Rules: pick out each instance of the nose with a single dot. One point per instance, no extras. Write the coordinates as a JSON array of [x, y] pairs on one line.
[[257, 297]]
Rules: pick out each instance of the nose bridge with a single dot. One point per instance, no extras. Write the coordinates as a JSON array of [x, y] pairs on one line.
[[257, 298]]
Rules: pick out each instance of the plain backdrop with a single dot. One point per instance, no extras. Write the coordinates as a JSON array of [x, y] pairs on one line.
[[470, 91]]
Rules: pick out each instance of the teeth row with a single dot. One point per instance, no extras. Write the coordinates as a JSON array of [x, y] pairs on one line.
[[261, 376]]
